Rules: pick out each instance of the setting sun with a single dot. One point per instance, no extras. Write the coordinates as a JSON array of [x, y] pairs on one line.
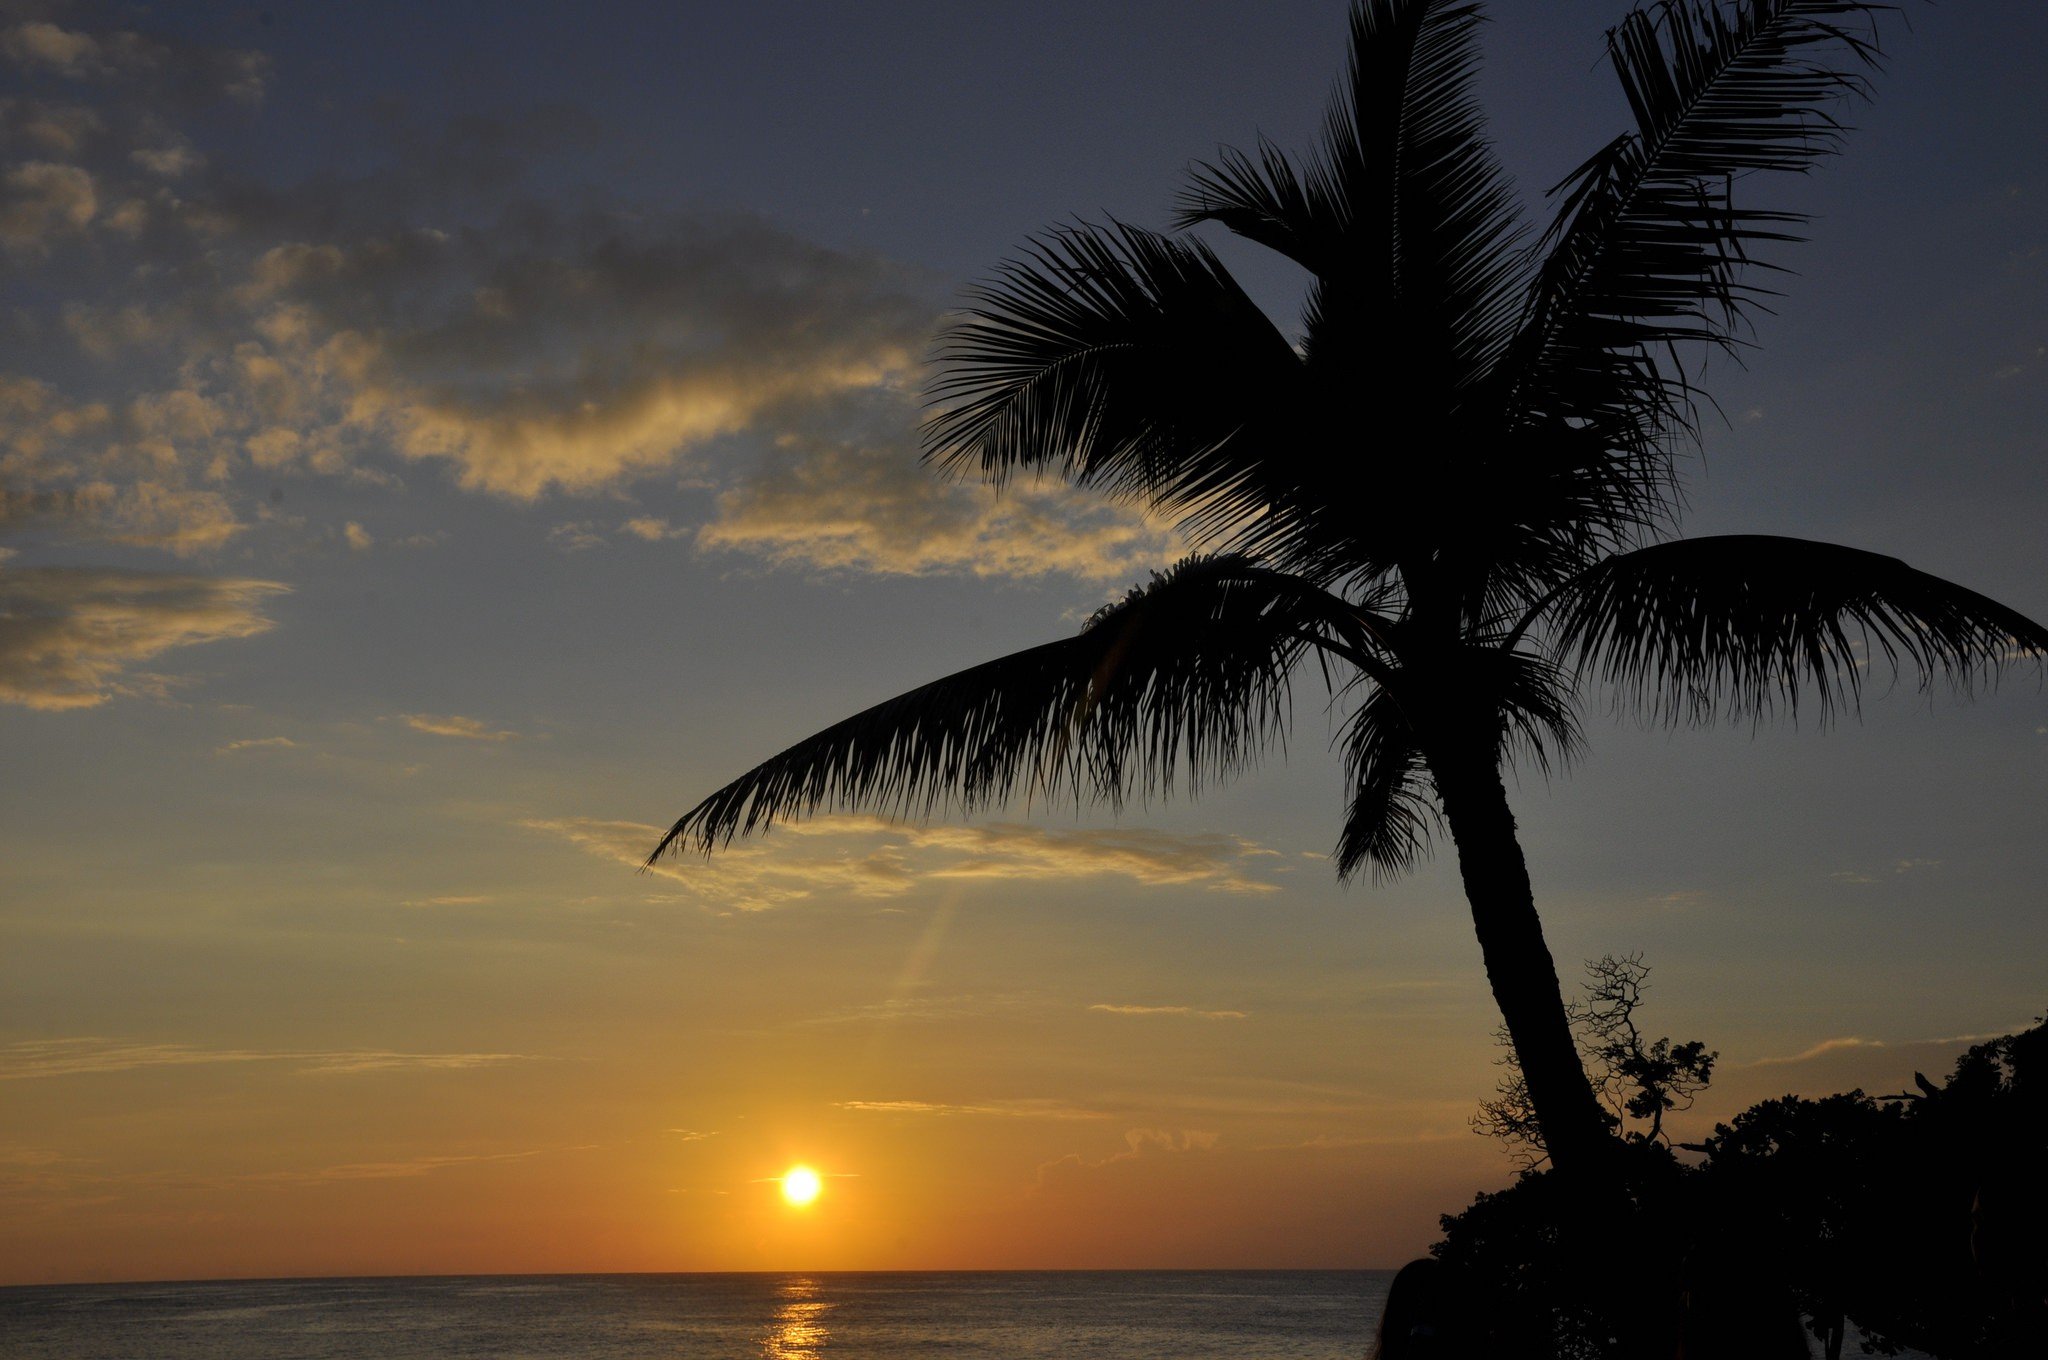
[[800, 1185]]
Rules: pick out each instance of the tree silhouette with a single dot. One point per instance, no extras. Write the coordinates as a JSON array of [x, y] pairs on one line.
[[1455, 490]]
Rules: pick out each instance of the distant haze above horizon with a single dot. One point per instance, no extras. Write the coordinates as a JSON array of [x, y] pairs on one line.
[[439, 444]]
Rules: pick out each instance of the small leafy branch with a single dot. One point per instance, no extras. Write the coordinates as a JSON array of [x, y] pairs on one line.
[[1638, 1081]]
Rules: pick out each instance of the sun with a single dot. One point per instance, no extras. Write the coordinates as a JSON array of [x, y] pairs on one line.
[[800, 1185]]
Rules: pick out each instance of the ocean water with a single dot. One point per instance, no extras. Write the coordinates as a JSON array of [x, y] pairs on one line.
[[1175, 1315]]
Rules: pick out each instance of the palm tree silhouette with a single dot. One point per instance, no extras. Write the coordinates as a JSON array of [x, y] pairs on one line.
[[1456, 491]]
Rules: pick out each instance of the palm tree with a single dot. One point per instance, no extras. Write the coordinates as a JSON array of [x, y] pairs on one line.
[[1455, 491]]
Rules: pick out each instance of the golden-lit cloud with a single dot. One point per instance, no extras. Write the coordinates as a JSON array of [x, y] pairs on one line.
[[568, 355], [36, 1058], [1189, 1012], [72, 637], [113, 473], [1058, 1110], [867, 857], [329, 334], [650, 528], [255, 744], [456, 725], [864, 503]]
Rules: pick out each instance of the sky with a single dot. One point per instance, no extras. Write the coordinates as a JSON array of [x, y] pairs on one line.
[[439, 444]]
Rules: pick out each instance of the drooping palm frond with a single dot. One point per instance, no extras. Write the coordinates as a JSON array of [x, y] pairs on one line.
[[1392, 814], [1739, 625], [1184, 680], [1649, 245], [1525, 698], [1123, 360]]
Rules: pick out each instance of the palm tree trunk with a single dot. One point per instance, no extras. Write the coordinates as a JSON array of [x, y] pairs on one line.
[[1518, 962]]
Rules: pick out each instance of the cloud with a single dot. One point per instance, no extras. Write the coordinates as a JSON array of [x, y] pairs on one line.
[[1187, 1011], [572, 353], [922, 1009], [357, 537], [255, 744], [46, 45], [579, 535], [1848, 1043], [866, 857], [1212, 860], [158, 65], [1902, 866], [455, 725], [35, 1058], [40, 200], [239, 334], [1004, 1109], [860, 501], [449, 900], [116, 472], [651, 528], [71, 637], [399, 1170], [1137, 1143]]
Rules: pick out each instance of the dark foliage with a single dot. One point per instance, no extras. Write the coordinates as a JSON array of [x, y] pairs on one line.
[[1639, 1080], [1916, 1217]]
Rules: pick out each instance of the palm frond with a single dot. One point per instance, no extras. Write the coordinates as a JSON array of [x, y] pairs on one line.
[[1403, 215], [1649, 248], [1537, 703], [1124, 360], [1185, 680], [1392, 813], [1740, 625], [1265, 199]]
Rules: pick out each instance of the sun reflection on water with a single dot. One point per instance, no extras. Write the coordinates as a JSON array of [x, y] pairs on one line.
[[799, 1331]]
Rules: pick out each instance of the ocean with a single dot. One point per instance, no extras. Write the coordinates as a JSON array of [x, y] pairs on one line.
[[1011, 1315]]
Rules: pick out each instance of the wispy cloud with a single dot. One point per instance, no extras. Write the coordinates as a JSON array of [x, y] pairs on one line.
[[255, 744], [402, 1169], [74, 637], [1896, 867], [35, 1058], [1851, 1043], [1002, 1109], [455, 725], [923, 1009], [866, 857], [1190, 1012], [1137, 1143]]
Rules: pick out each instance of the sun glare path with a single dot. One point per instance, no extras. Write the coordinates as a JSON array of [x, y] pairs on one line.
[[800, 1185]]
